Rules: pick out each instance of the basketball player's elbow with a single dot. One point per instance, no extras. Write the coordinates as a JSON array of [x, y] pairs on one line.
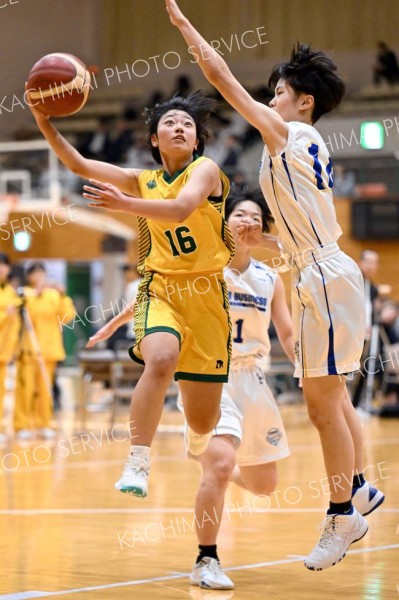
[[79, 165], [181, 212], [217, 71]]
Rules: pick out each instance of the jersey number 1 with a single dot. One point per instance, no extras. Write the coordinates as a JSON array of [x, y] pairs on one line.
[[239, 339], [186, 243], [317, 168]]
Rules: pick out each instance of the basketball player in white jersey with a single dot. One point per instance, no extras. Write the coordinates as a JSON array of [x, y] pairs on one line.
[[327, 286], [249, 437]]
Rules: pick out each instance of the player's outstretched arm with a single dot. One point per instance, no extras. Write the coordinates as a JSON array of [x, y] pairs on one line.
[[282, 320], [204, 181], [271, 126], [109, 328], [125, 179]]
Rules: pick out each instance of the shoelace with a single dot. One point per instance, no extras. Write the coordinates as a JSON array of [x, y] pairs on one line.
[[214, 567], [136, 465], [329, 526]]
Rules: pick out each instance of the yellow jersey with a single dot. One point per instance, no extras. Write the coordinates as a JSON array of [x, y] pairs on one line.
[[48, 311], [9, 322], [202, 243]]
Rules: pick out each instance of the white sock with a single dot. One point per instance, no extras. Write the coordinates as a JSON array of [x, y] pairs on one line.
[[142, 451]]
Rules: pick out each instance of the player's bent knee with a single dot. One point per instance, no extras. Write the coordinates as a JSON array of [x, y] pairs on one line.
[[221, 470], [163, 364], [202, 424], [201, 428]]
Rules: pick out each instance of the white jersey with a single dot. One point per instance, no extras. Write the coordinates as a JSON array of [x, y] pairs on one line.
[[250, 295], [297, 185]]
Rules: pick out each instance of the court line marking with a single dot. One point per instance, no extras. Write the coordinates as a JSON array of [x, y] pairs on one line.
[[34, 594], [29, 512], [59, 466]]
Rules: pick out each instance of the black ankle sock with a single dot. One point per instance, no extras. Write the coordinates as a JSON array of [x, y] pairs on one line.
[[358, 480], [340, 508], [209, 551]]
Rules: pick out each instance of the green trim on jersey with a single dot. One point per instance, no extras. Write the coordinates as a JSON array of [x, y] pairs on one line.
[[164, 329], [134, 357], [226, 306], [171, 178], [200, 377]]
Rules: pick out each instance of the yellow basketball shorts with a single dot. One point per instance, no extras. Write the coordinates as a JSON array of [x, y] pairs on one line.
[[194, 308]]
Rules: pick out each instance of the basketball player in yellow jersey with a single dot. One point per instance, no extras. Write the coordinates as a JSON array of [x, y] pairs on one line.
[[181, 316], [9, 326]]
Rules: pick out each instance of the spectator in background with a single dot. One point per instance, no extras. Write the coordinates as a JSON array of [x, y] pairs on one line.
[[389, 320], [96, 144], [120, 139], [368, 263], [183, 86], [132, 280], [239, 180], [16, 277], [9, 326], [126, 331], [389, 331], [386, 66], [46, 309], [344, 182], [233, 149]]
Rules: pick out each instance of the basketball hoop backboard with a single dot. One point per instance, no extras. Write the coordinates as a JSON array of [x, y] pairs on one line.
[[29, 172]]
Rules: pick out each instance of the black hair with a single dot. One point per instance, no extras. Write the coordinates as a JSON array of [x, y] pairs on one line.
[[198, 106], [237, 196], [311, 72], [35, 266], [4, 260]]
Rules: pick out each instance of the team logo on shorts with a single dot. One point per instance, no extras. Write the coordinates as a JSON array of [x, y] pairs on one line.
[[274, 436], [296, 350], [219, 364]]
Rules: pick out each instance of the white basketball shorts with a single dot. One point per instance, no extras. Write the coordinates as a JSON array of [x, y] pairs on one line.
[[328, 310], [250, 413]]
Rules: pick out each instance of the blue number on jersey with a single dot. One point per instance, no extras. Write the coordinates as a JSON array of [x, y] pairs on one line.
[[238, 339], [314, 151]]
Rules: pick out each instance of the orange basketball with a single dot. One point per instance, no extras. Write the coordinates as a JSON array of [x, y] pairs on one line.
[[58, 84]]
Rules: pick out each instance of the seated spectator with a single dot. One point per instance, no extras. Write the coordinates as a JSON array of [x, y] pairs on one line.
[[119, 142], [233, 149], [386, 66], [389, 322], [95, 144], [344, 182]]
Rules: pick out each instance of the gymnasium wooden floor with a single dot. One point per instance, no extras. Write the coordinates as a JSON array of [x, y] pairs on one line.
[[66, 532]]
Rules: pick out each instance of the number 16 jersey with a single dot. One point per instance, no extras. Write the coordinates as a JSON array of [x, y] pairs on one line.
[[297, 184], [202, 243]]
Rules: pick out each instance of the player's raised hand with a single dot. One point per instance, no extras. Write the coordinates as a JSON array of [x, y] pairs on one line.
[[105, 195], [39, 116], [250, 235], [175, 14]]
